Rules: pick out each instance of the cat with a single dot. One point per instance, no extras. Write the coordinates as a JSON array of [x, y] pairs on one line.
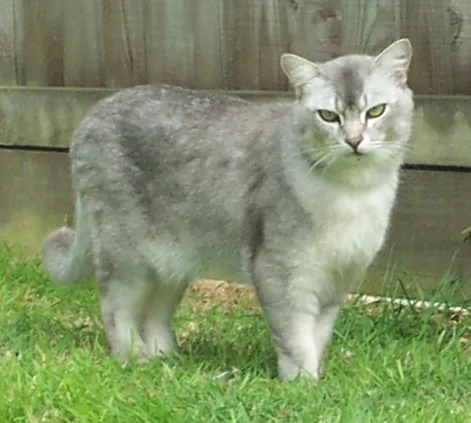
[[295, 198]]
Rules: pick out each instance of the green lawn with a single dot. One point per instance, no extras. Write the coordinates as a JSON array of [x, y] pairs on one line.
[[385, 364]]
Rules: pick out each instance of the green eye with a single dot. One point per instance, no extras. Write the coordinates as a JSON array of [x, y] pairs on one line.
[[328, 115], [376, 111]]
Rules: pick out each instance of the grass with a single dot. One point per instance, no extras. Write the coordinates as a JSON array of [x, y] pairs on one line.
[[385, 364]]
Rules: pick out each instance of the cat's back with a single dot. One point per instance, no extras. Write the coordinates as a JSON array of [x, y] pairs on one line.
[[166, 103], [147, 108], [158, 120], [168, 142]]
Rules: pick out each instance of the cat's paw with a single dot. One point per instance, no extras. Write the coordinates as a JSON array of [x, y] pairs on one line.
[[289, 370]]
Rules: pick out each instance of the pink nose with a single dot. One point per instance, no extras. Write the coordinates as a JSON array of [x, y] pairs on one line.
[[354, 142]]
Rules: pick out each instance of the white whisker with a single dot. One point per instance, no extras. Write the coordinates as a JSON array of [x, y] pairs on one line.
[[390, 145], [323, 156], [320, 161], [329, 164]]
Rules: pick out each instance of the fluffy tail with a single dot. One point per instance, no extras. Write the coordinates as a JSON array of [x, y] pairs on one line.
[[66, 253]]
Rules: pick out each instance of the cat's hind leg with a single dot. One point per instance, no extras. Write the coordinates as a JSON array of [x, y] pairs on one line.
[[123, 278], [157, 321], [123, 297], [137, 312], [137, 308]]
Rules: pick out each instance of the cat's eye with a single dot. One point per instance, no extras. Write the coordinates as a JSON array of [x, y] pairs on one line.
[[376, 111], [328, 115]]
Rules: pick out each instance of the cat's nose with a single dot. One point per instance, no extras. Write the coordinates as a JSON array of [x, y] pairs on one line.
[[354, 142]]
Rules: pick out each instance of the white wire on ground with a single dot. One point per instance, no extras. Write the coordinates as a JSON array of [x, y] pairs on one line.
[[417, 304]]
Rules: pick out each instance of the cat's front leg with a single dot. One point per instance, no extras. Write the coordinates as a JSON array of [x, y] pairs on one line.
[[300, 339], [301, 327]]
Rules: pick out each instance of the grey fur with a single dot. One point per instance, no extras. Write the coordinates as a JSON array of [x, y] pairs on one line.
[[174, 184]]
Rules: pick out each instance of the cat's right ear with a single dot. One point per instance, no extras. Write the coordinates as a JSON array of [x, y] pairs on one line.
[[396, 57], [299, 71]]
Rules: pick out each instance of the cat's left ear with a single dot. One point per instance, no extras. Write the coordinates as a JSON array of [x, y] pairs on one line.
[[396, 57], [299, 71]]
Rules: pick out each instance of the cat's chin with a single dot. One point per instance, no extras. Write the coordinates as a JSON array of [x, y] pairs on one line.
[[364, 158], [356, 175], [357, 157], [355, 164]]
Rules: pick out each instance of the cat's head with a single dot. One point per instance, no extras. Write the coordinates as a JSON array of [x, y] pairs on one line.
[[353, 109]]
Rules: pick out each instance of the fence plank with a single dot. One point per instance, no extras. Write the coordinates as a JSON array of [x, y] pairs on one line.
[[83, 43], [154, 31], [43, 22], [170, 41], [124, 43], [440, 33], [246, 18], [256, 37], [431, 34], [11, 43], [184, 43], [460, 11], [208, 33], [314, 29]]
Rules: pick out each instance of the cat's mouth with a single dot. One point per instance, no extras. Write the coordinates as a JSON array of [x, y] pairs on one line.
[[356, 154]]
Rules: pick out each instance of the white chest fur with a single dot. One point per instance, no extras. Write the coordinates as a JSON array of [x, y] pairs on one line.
[[349, 225]]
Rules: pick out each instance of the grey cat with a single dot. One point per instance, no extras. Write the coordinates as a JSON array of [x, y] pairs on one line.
[[174, 184]]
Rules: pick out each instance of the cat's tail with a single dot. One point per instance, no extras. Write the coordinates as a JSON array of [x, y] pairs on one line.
[[66, 254]]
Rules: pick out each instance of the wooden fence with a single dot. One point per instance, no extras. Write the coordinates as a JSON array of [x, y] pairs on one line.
[[223, 44], [59, 57]]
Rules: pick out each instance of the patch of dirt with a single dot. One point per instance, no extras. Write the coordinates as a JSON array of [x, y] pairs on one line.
[[206, 293]]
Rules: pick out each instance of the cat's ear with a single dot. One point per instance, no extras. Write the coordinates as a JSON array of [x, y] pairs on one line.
[[299, 71], [397, 58]]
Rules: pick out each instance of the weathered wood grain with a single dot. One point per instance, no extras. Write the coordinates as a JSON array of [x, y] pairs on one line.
[[447, 35], [154, 30], [460, 19], [432, 210], [43, 116], [225, 44], [322, 30], [47, 117], [442, 131], [124, 43], [424, 239], [170, 41], [83, 43], [35, 195], [43, 49], [11, 42], [208, 45], [256, 36]]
